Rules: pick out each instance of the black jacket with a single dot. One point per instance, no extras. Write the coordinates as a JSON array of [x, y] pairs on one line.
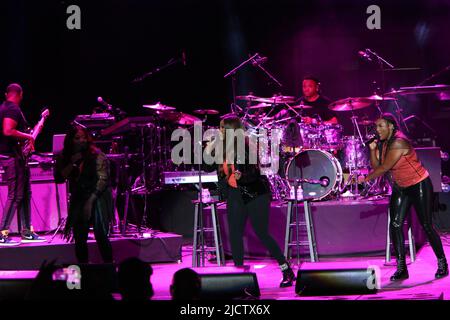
[[251, 184]]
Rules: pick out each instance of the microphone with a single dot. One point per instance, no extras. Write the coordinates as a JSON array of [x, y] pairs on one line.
[[183, 58], [259, 60], [371, 139], [104, 103], [365, 55], [324, 181]]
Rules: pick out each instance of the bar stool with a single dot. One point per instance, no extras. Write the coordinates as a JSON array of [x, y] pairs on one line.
[[410, 241], [308, 225], [200, 247]]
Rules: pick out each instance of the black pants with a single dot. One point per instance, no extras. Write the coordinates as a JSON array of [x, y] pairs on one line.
[[81, 232], [420, 196], [258, 211], [17, 176]]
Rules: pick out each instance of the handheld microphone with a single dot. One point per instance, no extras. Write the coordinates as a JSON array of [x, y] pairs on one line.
[[371, 139]]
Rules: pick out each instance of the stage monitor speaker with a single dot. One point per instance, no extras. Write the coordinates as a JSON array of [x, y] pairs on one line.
[[441, 218], [431, 160], [44, 209], [337, 282], [101, 275], [229, 285], [14, 289]]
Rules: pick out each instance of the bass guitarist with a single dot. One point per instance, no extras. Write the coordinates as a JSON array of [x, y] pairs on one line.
[[16, 173]]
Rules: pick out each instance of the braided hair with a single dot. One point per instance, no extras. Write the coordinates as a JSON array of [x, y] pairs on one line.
[[396, 133], [390, 118]]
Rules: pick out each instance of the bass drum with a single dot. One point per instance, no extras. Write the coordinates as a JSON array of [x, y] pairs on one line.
[[315, 164]]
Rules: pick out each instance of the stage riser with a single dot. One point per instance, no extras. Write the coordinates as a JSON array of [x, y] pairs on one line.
[[341, 228]]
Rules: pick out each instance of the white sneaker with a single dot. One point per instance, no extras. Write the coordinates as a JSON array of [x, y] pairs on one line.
[[32, 237], [8, 242]]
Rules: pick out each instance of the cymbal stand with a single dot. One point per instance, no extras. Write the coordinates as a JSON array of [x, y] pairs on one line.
[[295, 111], [398, 111], [128, 194], [143, 226], [232, 73], [354, 171]]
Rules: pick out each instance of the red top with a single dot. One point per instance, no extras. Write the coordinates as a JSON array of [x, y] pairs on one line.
[[231, 178], [408, 170]]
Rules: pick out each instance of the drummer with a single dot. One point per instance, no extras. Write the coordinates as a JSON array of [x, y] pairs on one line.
[[312, 97]]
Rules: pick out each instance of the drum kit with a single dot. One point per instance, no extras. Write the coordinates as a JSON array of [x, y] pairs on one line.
[[315, 150], [309, 149]]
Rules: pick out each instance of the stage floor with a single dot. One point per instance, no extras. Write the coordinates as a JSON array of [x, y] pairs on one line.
[[420, 286]]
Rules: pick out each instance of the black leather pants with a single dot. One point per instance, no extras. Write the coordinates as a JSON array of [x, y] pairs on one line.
[[420, 196], [258, 212]]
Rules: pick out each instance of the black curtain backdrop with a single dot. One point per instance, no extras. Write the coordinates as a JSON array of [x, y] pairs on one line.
[[121, 40]]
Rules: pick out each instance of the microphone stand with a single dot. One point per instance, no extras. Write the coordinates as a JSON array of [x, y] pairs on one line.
[[171, 62], [381, 62], [232, 73], [255, 62], [434, 75]]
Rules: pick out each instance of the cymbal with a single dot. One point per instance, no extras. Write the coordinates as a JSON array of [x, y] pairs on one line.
[[302, 106], [179, 117], [187, 119], [206, 111], [248, 97], [403, 91], [376, 97], [277, 99], [272, 100], [260, 105], [349, 104], [366, 122], [159, 107]]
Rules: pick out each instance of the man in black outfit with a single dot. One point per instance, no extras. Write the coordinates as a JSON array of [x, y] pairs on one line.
[[312, 97], [17, 174]]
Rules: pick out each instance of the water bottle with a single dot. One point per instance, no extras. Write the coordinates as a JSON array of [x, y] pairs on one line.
[[299, 193], [292, 193], [206, 196]]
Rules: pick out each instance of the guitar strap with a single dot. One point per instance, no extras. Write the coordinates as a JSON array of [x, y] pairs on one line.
[[24, 119]]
